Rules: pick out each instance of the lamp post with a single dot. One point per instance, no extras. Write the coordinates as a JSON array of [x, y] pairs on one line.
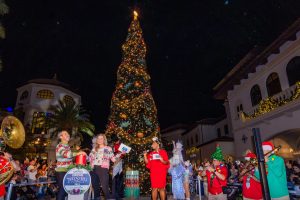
[[261, 164]]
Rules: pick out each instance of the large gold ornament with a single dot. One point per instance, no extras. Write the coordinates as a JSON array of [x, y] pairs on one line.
[[140, 134], [123, 116]]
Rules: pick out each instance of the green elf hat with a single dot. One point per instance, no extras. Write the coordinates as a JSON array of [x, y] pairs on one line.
[[218, 154]]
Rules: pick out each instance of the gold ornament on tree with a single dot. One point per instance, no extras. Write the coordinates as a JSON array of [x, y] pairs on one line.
[[137, 84], [123, 116], [140, 134]]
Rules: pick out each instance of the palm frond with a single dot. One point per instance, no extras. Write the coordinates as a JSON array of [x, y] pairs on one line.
[[2, 31], [71, 117], [4, 9]]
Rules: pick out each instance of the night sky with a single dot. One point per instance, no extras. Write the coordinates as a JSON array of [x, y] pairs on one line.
[[191, 45]]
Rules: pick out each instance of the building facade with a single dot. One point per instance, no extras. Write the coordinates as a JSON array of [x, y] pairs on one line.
[[200, 139], [33, 102], [263, 91]]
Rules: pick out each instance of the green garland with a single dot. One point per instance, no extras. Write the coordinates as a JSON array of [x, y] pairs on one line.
[[269, 104], [87, 167]]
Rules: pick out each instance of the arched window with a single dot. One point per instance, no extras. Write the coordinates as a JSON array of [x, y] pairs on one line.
[[293, 70], [24, 95], [68, 100], [255, 95], [273, 84], [45, 94]]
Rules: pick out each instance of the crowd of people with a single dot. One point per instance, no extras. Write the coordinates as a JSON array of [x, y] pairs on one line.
[[216, 174], [225, 179], [243, 176], [31, 172], [35, 172]]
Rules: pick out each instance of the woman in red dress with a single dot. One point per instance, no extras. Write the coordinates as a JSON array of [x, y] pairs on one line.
[[158, 163]]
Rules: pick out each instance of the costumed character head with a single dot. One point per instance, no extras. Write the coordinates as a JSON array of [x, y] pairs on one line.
[[98, 140], [177, 147], [155, 143], [217, 156], [268, 147], [64, 136], [177, 154]]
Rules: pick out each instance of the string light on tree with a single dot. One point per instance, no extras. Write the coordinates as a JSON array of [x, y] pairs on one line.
[[133, 115]]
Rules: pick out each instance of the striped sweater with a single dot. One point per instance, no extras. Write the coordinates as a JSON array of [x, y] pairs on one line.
[[64, 157]]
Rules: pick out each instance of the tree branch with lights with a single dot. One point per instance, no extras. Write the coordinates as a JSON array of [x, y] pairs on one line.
[[133, 114]]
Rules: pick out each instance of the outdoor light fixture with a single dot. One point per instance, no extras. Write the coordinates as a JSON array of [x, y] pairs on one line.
[[244, 138]]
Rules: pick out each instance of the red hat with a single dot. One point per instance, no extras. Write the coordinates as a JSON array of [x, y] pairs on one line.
[[249, 156], [267, 146]]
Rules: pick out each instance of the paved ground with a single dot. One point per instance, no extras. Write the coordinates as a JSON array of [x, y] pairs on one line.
[[145, 198], [169, 198]]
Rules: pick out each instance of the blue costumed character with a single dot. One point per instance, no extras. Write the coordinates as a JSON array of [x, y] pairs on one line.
[[177, 171]]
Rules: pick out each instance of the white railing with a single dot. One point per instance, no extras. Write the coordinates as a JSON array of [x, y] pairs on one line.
[[286, 94]]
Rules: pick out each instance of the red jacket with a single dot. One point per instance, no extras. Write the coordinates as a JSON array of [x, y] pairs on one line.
[[215, 184], [251, 188]]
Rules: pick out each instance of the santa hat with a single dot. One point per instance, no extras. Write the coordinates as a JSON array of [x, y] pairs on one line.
[[267, 146], [250, 156]]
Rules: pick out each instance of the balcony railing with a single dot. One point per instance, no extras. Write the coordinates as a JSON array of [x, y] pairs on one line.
[[286, 94], [271, 103]]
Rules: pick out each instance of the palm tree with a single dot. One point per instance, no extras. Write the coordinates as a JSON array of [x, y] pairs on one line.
[[4, 9], [70, 117]]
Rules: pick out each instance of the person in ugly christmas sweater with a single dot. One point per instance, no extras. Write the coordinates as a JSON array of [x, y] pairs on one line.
[[64, 157], [216, 176], [100, 158]]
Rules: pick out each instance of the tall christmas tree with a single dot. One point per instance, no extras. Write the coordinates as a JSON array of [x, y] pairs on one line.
[[133, 114]]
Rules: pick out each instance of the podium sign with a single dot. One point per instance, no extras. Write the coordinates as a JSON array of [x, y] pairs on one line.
[[76, 182]]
